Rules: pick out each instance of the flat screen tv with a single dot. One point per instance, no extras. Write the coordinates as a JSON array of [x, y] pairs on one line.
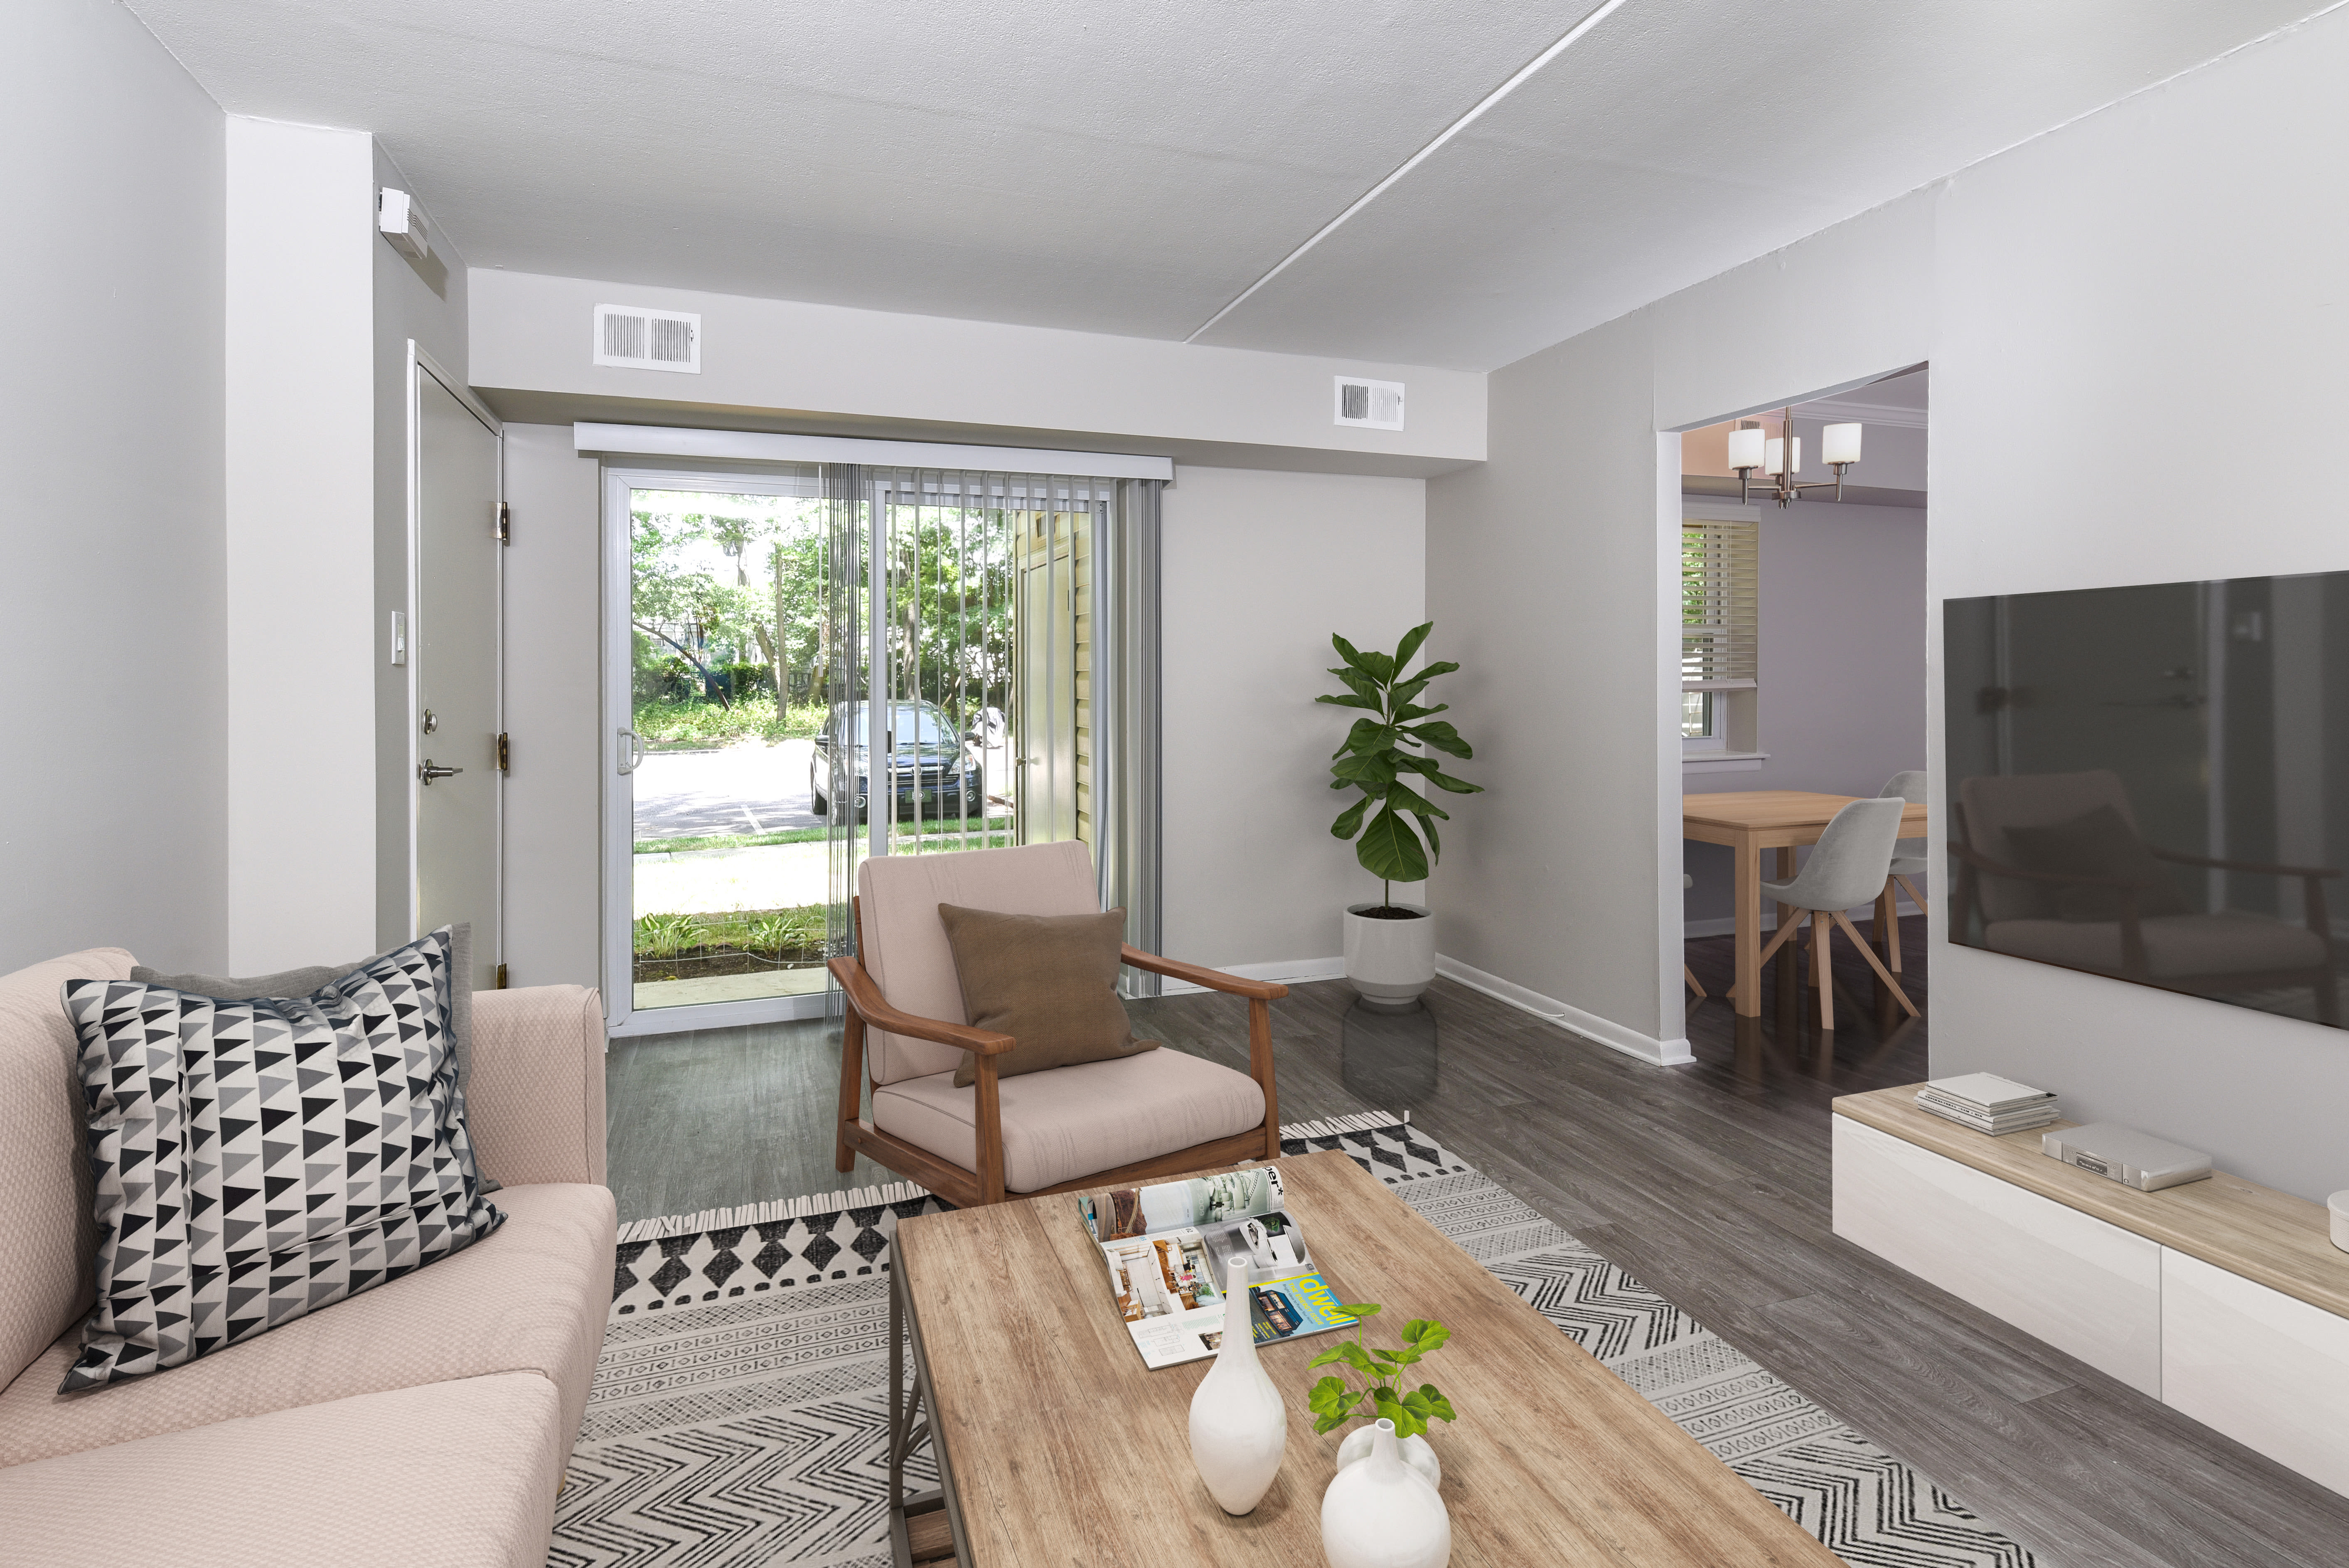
[[2152, 783]]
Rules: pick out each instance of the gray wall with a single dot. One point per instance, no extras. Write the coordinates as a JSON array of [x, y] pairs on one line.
[[1546, 576], [1841, 682], [1258, 569], [553, 795], [112, 170], [2066, 313]]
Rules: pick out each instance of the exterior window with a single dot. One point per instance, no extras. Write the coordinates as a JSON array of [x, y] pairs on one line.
[[1719, 573]]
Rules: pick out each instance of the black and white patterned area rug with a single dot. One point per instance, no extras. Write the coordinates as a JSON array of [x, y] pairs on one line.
[[740, 1403]]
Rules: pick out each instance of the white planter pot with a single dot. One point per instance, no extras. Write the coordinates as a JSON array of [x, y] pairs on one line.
[[1390, 960], [1379, 1513], [1239, 1427]]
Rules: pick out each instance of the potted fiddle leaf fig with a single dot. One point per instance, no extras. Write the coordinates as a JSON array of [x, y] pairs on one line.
[[1391, 946]]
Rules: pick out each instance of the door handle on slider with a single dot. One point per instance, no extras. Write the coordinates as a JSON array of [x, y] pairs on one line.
[[428, 771], [632, 750]]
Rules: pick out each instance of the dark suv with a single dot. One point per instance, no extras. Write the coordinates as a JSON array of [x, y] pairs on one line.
[[930, 771]]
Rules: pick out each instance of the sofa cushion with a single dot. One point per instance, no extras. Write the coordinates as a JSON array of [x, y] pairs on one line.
[[257, 1160], [532, 1298], [1077, 1121], [1049, 981], [47, 1235], [315, 978], [449, 1475]]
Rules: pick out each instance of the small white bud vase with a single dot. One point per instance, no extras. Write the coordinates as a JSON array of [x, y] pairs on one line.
[[1379, 1512], [1416, 1452], [1239, 1427]]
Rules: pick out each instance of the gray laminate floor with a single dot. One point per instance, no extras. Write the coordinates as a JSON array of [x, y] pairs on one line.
[[1708, 1181]]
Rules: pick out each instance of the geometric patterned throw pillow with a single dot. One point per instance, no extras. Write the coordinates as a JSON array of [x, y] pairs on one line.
[[259, 1160]]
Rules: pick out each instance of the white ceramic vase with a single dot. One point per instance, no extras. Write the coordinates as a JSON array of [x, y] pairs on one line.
[[1379, 1512], [1416, 1452], [1389, 961], [1239, 1427]]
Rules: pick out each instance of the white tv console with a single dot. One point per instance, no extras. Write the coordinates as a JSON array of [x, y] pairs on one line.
[[2223, 1299]]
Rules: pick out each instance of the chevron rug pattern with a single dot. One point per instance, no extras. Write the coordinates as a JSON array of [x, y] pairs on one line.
[[739, 1403]]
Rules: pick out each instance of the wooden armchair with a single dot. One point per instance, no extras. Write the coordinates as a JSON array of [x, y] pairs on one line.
[[1154, 1114]]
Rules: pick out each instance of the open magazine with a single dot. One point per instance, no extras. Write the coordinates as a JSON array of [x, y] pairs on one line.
[[1168, 1248]]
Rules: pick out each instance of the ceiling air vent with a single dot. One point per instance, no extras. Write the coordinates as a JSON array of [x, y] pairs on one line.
[[1375, 404], [635, 338]]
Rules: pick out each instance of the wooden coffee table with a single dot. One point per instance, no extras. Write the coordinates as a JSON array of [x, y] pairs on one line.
[[1056, 1445]]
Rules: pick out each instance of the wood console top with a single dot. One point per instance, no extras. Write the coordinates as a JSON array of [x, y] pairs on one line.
[[2269, 1237]]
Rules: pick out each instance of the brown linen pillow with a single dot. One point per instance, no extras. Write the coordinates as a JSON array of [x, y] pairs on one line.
[[1049, 981]]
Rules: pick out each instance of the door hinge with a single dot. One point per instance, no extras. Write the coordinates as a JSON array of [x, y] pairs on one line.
[[502, 976], [505, 523], [505, 754]]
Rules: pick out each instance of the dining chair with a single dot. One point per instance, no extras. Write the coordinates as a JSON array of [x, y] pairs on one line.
[[1688, 882], [1122, 1122], [1848, 867], [1908, 860]]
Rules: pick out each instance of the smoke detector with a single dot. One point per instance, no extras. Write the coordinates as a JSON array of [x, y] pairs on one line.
[[1375, 405], [401, 221], [635, 338]]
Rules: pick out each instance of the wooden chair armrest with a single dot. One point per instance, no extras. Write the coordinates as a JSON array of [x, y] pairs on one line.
[[2180, 857], [1213, 979], [865, 997]]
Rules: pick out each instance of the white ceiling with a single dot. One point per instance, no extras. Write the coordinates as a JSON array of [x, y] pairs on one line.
[[1134, 169]]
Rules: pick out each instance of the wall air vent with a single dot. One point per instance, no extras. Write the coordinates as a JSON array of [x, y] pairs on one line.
[[635, 338], [1377, 404]]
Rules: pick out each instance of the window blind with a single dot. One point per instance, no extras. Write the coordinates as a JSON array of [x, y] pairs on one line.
[[1719, 624]]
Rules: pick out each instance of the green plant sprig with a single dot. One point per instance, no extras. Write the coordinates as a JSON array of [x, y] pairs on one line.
[[1334, 1401], [1381, 751]]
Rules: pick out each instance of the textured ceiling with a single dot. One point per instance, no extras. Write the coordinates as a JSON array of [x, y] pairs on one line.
[[1135, 170]]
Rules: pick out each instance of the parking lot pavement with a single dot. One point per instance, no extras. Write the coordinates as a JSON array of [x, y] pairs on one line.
[[741, 790]]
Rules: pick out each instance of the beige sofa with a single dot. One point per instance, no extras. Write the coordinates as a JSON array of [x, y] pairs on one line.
[[422, 1423]]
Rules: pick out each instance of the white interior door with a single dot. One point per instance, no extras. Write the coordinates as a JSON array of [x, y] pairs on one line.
[[454, 663]]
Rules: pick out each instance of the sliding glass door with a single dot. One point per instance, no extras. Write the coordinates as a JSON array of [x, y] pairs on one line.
[[715, 691], [808, 666]]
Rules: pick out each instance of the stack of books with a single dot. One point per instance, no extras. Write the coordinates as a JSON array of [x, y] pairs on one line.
[[1988, 1103]]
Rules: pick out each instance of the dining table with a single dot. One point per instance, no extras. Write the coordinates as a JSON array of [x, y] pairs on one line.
[[1751, 820]]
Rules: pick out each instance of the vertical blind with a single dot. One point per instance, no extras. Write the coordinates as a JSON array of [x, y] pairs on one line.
[[1719, 572]]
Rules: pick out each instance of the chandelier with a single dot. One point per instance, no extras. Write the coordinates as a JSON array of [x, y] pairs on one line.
[[1751, 447]]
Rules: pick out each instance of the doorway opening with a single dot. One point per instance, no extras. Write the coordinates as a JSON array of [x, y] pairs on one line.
[[1801, 686]]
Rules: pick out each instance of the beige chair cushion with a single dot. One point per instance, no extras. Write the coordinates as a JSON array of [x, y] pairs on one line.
[[1049, 981], [2176, 945], [451, 1475], [1076, 1122], [905, 947], [47, 1235], [531, 1296]]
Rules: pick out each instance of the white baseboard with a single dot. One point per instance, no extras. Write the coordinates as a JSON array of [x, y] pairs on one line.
[[1726, 925], [1604, 1031], [1283, 971]]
